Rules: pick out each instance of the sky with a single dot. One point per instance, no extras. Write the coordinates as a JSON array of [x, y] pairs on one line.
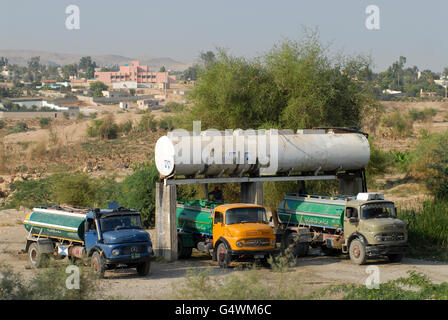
[[182, 29]]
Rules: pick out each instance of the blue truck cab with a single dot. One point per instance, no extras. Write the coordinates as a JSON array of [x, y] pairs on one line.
[[115, 238]]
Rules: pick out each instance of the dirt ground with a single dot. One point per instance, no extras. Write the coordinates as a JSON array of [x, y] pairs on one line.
[[311, 273]]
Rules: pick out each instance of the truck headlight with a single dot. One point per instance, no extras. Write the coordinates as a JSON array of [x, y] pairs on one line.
[[115, 252], [239, 244], [149, 249], [378, 238]]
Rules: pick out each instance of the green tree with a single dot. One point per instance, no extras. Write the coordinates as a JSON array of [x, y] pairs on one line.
[[162, 69], [97, 87], [138, 192], [207, 58], [70, 70], [296, 85], [87, 65], [74, 189], [191, 73], [3, 61], [34, 68]]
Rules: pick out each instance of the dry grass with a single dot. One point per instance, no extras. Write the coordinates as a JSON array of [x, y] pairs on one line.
[[3, 160], [39, 152]]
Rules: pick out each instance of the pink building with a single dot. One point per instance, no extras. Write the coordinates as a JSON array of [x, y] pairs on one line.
[[134, 72]]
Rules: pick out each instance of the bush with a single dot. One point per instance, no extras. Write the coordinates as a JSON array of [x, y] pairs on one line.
[[173, 107], [137, 191], [126, 127], [416, 286], [31, 193], [17, 128], [44, 122], [108, 128], [379, 161], [105, 129], [429, 163], [166, 124], [47, 284], [424, 115], [147, 123], [428, 229], [400, 125], [247, 286], [2, 124], [74, 189], [80, 116]]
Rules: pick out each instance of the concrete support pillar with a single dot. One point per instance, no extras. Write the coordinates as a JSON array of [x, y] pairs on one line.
[[166, 222], [350, 185], [252, 192]]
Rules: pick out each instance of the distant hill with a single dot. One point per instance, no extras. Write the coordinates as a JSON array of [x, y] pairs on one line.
[[21, 57]]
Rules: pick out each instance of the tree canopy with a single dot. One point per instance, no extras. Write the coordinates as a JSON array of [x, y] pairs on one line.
[[295, 85]]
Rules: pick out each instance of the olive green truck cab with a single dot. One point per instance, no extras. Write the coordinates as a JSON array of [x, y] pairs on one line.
[[364, 226]]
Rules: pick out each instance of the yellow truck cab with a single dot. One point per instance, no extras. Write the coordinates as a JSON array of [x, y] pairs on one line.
[[229, 232]]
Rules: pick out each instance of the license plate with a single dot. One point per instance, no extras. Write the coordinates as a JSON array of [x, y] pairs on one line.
[[259, 256], [135, 255]]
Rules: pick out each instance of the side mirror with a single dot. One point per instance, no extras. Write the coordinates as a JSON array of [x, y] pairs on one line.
[[353, 220], [270, 219]]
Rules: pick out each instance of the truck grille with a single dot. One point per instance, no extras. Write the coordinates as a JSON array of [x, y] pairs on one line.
[[258, 242], [393, 236], [257, 233], [132, 249]]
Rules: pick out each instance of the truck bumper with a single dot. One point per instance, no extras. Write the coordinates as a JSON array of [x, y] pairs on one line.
[[251, 254], [129, 261], [383, 250]]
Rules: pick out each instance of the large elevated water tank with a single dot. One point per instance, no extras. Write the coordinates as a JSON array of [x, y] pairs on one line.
[[264, 152]]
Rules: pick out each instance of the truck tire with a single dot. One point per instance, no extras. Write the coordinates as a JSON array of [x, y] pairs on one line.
[[98, 264], [357, 252], [223, 256], [297, 249], [395, 257], [37, 258], [183, 252], [143, 268], [187, 253]]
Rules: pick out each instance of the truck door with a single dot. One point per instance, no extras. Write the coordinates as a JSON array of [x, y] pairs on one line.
[[351, 221], [91, 235], [218, 226]]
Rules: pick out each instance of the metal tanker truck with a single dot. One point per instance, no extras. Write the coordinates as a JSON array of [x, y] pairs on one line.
[[228, 232], [362, 226], [109, 238]]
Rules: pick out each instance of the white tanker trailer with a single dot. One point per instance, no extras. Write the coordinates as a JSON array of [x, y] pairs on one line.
[[260, 152]]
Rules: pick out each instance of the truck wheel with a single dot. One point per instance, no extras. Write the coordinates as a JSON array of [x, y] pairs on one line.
[[143, 268], [98, 264], [223, 256], [37, 258], [357, 252], [297, 249], [395, 257], [187, 253], [183, 252]]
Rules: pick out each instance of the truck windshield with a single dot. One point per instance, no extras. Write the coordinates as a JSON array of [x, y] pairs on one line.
[[377, 210], [243, 215], [121, 222]]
